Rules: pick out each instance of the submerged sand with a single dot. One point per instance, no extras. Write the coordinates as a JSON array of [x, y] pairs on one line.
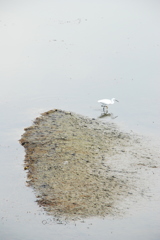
[[81, 167]]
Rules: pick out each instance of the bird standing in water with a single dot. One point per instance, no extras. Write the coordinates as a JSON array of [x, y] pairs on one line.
[[106, 102]]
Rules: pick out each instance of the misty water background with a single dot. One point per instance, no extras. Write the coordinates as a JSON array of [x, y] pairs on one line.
[[68, 55]]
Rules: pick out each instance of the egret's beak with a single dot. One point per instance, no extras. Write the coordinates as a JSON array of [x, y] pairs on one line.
[[116, 100]]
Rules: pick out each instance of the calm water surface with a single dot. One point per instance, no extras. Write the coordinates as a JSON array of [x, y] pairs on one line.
[[68, 55]]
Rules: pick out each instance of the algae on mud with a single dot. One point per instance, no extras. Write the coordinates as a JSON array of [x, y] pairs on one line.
[[80, 167]]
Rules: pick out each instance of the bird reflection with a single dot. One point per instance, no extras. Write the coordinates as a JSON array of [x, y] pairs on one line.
[[107, 114]]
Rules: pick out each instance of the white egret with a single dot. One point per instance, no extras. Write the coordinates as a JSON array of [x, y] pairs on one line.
[[106, 102]]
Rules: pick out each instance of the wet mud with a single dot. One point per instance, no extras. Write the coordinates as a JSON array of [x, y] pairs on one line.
[[80, 167]]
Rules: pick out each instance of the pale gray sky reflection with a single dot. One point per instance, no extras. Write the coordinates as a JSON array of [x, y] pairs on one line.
[[68, 55]]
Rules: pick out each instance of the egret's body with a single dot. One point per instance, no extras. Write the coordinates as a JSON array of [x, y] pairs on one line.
[[106, 102]]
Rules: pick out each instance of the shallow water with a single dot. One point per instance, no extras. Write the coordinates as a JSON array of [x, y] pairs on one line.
[[67, 56]]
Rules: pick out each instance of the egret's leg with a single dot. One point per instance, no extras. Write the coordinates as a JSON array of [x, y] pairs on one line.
[[106, 109]]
